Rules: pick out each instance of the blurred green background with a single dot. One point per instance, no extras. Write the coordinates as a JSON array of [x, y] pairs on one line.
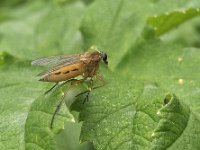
[[32, 29]]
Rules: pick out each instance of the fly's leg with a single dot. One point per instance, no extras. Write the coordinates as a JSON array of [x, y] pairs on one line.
[[57, 109], [92, 88], [57, 84], [96, 87], [101, 79], [87, 91], [103, 82], [73, 83], [87, 97], [51, 88], [82, 93]]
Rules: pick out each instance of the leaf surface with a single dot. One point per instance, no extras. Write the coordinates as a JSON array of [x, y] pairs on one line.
[[151, 100]]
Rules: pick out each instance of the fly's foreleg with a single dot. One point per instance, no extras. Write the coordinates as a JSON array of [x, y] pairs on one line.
[[98, 77]]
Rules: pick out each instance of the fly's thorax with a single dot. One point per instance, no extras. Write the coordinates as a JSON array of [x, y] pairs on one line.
[[91, 62], [91, 69], [91, 56]]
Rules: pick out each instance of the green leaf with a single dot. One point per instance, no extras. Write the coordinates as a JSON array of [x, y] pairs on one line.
[[48, 28], [69, 138], [172, 69], [112, 29], [18, 90], [121, 23], [25, 111], [24, 123], [166, 22], [38, 133], [141, 114], [174, 118], [58, 30], [135, 117], [134, 110], [6, 58]]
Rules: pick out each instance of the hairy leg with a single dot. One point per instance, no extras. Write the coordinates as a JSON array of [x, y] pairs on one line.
[[74, 82]]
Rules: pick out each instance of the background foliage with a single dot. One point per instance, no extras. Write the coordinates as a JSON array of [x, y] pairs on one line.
[[152, 98]]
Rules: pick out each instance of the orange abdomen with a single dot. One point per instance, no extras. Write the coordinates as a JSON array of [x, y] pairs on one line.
[[65, 73]]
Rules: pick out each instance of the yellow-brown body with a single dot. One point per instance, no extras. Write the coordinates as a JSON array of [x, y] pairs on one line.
[[86, 67]]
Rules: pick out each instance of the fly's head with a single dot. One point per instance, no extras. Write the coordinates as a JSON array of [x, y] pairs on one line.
[[95, 56]]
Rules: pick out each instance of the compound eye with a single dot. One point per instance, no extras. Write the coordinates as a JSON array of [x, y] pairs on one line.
[[104, 57]]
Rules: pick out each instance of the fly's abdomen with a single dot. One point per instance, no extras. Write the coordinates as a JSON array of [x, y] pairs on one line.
[[64, 73]]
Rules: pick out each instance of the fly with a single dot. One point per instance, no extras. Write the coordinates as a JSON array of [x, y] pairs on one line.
[[68, 67]]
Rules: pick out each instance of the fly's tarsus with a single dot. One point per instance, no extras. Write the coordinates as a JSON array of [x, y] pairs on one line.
[[55, 112], [86, 99]]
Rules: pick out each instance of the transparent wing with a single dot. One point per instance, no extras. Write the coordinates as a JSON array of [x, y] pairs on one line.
[[56, 60], [58, 67]]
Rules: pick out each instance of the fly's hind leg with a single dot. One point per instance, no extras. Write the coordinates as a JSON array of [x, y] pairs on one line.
[[73, 83], [51, 88], [57, 84], [57, 109]]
